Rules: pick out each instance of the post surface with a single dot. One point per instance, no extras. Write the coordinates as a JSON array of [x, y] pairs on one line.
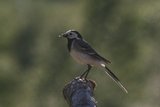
[[79, 93]]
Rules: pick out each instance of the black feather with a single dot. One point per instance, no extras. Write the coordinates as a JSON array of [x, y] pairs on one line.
[[70, 44], [114, 77], [84, 47]]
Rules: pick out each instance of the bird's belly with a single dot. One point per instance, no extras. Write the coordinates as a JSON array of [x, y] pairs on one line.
[[83, 58]]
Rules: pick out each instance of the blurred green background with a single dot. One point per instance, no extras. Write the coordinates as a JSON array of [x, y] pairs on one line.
[[35, 64]]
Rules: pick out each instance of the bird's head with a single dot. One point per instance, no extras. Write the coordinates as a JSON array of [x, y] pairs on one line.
[[71, 34]]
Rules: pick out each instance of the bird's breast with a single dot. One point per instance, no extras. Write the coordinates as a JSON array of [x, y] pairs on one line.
[[83, 58], [79, 57]]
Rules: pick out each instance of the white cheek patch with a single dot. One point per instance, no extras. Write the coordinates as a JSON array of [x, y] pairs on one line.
[[74, 35]]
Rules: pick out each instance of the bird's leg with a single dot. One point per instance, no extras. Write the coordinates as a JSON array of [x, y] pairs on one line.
[[89, 68], [85, 74]]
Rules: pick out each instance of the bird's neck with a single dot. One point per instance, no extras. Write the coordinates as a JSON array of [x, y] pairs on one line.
[[70, 44]]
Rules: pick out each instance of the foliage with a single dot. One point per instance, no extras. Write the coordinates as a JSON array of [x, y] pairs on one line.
[[35, 64]]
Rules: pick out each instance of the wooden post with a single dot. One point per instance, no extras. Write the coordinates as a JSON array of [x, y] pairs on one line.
[[79, 93]]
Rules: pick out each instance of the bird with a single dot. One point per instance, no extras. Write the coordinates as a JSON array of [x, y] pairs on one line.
[[84, 54]]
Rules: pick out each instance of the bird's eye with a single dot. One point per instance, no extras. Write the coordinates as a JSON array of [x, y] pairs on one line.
[[70, 33]]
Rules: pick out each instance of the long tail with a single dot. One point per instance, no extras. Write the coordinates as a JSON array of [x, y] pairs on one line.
[[114, 78]]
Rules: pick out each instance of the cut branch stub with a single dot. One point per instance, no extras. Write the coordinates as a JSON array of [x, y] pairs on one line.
[[79, 93]]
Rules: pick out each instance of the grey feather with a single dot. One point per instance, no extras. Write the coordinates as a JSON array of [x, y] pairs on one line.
[[84, 47]]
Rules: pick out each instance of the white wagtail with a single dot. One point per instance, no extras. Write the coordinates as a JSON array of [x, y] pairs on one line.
[[83, 53]]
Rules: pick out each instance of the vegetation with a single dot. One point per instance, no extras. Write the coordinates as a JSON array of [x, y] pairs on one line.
[[35, 64]]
